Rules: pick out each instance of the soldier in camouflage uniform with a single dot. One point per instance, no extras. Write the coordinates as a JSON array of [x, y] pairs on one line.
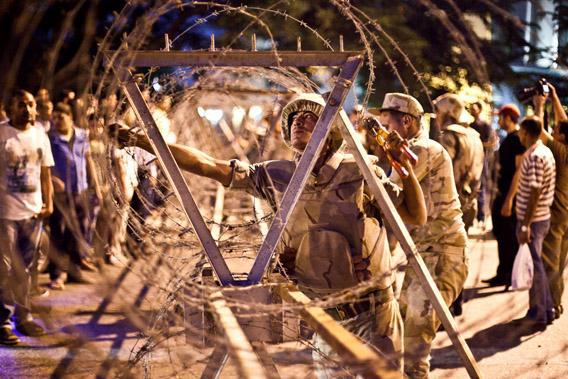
[[441, 241], [465, 148], [328, 245]]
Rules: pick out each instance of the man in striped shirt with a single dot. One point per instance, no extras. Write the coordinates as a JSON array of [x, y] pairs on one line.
[[534, 197]]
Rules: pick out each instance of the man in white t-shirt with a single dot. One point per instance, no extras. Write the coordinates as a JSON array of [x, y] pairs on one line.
[[25, 199]]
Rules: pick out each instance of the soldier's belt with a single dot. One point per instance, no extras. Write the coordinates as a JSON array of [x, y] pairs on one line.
[[368, 302]]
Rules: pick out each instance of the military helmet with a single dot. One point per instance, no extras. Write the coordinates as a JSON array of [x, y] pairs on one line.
[[400, 102], [450, 104], [311, 102]]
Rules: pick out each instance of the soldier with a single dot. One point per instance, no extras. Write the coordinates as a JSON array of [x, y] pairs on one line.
[[441, 241], [328, 246], [465, 148]]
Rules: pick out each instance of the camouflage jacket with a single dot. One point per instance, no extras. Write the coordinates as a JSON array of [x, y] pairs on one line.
[[466, 151], [328, 231], [444, 231]]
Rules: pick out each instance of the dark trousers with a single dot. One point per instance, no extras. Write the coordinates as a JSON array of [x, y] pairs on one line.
[[70, 226], [482, 194], [540, 300], [19, 241], [504, 230]]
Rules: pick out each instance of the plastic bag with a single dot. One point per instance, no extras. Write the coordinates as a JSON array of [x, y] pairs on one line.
[[523, 269]]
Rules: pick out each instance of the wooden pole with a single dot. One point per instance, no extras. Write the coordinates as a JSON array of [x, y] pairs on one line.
[[238, 345]]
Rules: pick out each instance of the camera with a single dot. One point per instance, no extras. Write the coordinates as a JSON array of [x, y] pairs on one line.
[[540, 88]]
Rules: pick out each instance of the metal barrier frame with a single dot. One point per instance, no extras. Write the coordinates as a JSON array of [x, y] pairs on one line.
[[350, 63]]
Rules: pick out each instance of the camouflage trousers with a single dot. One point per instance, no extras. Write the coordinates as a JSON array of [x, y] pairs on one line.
[[449, 272], [381, 328], [555, 255]]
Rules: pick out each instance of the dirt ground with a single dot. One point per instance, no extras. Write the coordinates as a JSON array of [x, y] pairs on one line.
[[90, 336]]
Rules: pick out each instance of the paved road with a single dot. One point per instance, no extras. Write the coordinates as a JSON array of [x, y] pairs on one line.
[[91, 337], [502, 349]]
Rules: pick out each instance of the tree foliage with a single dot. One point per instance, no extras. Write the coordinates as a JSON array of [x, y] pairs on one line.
[[52, 42]]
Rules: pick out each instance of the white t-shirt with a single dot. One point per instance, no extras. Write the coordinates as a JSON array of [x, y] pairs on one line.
[[130, 166], [45, 125], [22, 154]]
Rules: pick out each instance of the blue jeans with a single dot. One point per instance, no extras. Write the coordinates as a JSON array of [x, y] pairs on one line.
[[540, 300], [19, 241]]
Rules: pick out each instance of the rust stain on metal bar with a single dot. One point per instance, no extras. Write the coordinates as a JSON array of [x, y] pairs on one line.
[[167, 42], [253, 42], [234, 58]]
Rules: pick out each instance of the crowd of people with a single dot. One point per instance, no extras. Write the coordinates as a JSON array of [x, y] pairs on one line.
[[54, 205], [49, 185]]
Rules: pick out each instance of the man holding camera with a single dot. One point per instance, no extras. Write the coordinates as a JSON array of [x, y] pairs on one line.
[[555, 245]]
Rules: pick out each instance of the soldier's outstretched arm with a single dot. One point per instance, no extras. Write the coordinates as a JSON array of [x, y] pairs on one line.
[[188, 158]]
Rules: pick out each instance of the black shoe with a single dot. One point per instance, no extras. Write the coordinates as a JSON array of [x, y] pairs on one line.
[[497, 281], [30, 329], [551, 316], [7, 336]]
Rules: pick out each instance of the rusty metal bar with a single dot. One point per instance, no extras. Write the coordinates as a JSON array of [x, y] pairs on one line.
[[304, 167], [234, 58], [253, 42], [167, 42], [391, 216], [173, 173]]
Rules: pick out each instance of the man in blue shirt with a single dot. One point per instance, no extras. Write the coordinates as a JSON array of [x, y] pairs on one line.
[[70, 222]]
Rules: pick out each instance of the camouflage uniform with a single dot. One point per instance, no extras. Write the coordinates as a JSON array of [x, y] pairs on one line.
[[441, 242], [466, 151], [465, 148], [327, 233]]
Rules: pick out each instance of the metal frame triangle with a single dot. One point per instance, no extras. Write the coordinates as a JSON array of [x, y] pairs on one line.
[[350, 63]]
